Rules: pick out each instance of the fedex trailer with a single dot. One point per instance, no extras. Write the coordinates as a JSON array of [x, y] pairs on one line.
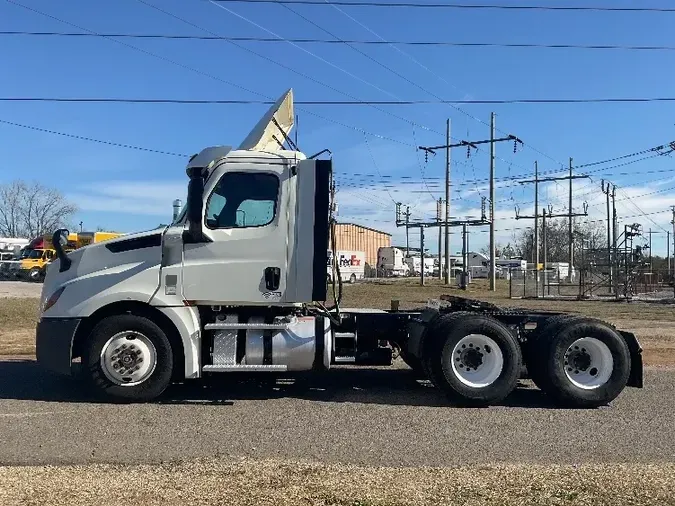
[[351, 263]]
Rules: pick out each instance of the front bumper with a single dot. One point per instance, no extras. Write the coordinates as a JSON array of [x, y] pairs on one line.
[[54, 339]]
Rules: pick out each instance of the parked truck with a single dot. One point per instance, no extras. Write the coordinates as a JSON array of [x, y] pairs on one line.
[[391, 262], [211, 295]]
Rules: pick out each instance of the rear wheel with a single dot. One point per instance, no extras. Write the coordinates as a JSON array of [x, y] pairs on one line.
[[473, 358], [585, 363], [352, 278], [128, 357]]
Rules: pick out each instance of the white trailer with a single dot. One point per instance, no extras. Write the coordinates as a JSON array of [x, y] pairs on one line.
[[351, 265], [213, 294]]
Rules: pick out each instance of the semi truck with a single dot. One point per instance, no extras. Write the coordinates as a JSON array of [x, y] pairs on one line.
[[213, 295]]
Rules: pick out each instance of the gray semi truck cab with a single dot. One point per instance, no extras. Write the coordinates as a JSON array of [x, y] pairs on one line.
[[238, 283]]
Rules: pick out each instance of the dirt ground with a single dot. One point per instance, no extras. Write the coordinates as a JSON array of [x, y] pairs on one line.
[[295, 483], [653, 324]]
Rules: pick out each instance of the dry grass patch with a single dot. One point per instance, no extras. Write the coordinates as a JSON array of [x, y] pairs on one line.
[[18, 313], [290, 483]]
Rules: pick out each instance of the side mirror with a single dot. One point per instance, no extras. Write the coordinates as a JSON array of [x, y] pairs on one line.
[[194, 205], [59, 240]]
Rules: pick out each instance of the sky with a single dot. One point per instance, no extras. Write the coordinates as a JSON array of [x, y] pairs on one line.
[[376, 162]]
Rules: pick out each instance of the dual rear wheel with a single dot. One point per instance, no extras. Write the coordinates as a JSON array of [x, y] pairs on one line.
[[476, 360]]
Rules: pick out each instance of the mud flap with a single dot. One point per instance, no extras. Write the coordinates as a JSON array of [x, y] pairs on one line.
[[636, 378]]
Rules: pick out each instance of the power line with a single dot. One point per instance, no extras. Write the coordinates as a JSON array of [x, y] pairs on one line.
[[90, 139], [346, 102], [337, 67], [432, 43], [205, 74], [421, 5]]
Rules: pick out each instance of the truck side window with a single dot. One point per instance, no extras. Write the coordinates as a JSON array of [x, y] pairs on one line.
[[243, 199]]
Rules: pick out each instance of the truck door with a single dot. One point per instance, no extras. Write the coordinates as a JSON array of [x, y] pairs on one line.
[[244, 259]]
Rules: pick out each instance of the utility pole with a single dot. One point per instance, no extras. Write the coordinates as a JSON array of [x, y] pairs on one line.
[[668, 250], [650, 251], [570, 235], [468, 144], [492, 204], [439, 211], [422, 254], [543, 225], [535, 217], [447, 202], [605, 190], [464, 258], [400, 222], [536, 228], [407, 228], [614, 239], [673, 223]]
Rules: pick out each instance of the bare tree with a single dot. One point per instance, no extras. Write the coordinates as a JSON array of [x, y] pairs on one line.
[[557, 240], [31, 209]]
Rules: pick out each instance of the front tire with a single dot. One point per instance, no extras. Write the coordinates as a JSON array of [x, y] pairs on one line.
[[129, 358], [34, 274], [473, 358]]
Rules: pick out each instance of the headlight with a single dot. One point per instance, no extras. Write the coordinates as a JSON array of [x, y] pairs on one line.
[[49, 302]]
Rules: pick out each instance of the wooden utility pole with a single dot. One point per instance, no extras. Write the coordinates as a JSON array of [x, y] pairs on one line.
[[570, 233], [465, 259], [492, 204], [421, 254], [615, 260], [650, 251], [439, 212], [610, 264], [668, 250], [543, 226], [673, 223], [536, 228], [446, 269], [407, 228], [535, 217], [468, 144]]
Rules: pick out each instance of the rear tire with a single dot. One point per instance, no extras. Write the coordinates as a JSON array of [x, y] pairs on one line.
[[352, 279], [531, 352], [128, 358], [584, 363], [473, 358]]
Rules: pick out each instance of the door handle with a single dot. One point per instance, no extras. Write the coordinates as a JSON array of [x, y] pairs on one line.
[[272, 278]]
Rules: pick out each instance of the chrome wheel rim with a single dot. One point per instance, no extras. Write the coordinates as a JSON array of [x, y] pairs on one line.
[[128, 358]]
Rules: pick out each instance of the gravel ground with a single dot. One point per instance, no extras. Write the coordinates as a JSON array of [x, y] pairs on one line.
[[280, 482], [19, 289], [355, 416]]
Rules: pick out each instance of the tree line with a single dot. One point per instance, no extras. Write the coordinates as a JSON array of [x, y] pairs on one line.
[[33, 209]]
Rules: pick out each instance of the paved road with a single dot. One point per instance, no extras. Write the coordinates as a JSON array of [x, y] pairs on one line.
[[380, 417]]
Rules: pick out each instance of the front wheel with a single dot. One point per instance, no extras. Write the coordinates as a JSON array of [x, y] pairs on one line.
[[128, 357], [352, 279], [474, 358], [34, 274]]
